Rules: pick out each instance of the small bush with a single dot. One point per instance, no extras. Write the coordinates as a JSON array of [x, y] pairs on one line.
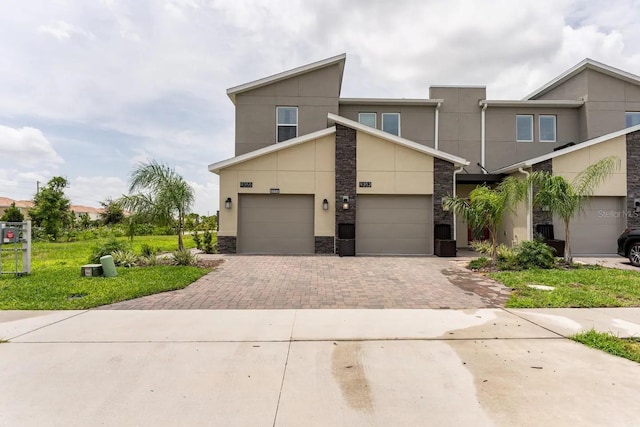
[[535, 254], [146, 250], [197, 239], [479, 263], [125, 258], [183, 257], [148, 261], [207, 246], [484, 247], [108, 248]]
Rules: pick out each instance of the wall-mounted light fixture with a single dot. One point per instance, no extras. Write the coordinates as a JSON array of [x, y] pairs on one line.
[[325, 205], [445, 208], [227, 203], [345, 202], [636, 205]]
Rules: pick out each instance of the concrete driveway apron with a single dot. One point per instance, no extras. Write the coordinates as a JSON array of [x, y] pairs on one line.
[[308, 282]]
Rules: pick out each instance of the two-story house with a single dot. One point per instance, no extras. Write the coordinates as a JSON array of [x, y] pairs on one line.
[[312, 167]]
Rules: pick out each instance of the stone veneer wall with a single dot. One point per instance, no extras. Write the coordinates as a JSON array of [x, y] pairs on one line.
[[226, 244], [540, 216], [633, 178], [442, 187], [346, 174], [324, 245]]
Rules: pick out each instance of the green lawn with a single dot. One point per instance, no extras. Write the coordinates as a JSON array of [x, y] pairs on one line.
[[582, 287], [55, 281], [605, 341]]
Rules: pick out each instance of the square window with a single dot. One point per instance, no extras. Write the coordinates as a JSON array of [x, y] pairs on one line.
[[547, 128], [391, 123], [367, 119], [524, 128], [632, 118], [286, 123]]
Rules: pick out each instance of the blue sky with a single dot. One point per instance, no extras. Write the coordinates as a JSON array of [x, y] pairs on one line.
[[89, 88]]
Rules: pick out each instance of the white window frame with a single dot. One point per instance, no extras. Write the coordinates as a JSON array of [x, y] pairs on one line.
[[278, 124], [555, 127], [531, 117], [630, 114], [375, 118], [399, 122]]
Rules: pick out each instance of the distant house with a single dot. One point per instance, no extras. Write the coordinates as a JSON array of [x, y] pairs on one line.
[[23, 205]]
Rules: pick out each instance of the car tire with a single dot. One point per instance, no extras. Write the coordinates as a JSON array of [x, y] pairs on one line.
[[634, 254]]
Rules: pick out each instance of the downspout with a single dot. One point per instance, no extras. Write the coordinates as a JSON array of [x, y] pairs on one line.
[[437, 122], [529, 202], [455, 231], [482, 138]]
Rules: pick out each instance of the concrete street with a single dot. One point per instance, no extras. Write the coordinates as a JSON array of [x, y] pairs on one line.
[[481, 367]]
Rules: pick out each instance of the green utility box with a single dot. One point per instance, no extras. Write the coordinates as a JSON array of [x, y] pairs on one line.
[[91, 270]]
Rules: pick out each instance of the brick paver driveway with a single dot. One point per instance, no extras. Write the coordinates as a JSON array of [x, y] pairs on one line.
[[299, 282]]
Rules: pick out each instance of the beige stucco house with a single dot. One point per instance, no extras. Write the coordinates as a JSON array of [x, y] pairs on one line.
[[313, 169]]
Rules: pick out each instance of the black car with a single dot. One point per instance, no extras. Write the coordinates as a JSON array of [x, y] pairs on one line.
[[629, 245]]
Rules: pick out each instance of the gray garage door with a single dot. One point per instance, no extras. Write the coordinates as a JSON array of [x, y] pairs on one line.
[[400, 225], [275, 224], [595, 232]]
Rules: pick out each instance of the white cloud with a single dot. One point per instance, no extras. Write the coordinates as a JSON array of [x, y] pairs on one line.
[[27, 146], [63, 31], [90, 190]]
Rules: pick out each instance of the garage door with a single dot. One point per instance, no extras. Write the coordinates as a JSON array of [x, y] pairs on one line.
[[400, 225], [595, 232], [275, 224]]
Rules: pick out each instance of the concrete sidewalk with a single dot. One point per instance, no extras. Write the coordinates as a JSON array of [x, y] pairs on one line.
[[315, 367]]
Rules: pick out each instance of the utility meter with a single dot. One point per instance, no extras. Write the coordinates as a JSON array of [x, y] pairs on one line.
[[10, 235]]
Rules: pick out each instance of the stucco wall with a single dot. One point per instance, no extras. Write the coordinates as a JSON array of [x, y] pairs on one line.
[[514, 226], [391, 168], [571, 164], [307, 168]]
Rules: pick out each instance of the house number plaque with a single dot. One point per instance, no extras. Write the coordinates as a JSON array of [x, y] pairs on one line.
[[365, 184], [245, 184]]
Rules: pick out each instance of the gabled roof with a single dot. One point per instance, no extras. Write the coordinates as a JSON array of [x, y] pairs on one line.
[[528, 163], [397, 140], [216, 167], [587, 63], [338, 59]]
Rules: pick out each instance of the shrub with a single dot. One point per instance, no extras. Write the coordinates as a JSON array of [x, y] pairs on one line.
[[484, 247], [125, 258], [197, 239], [147, 250], [479, 263], [107, 248], [183, 257], [535, 254], [208, 247], [148, 261]]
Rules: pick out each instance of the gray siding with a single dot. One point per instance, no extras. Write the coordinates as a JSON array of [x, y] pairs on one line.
[[502, 147], [315, 94], [416, 122]]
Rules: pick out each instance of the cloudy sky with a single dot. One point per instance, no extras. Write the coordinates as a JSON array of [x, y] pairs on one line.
[[89, 88]]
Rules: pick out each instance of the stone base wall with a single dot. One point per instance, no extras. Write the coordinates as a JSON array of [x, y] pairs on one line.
[[540, 216], [633, 178], [325, 245], [442, 187], [345, 175], [226, 244]]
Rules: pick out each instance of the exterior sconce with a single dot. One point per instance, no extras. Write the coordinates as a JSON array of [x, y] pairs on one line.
[[345, 202], [227, 203], [445, 208], [325, 205]]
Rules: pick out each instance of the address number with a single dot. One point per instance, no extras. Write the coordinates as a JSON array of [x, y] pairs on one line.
[[365, 184]]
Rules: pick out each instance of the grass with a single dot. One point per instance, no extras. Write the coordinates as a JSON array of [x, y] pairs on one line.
[[627, 348], [55, 282], [589, 286]]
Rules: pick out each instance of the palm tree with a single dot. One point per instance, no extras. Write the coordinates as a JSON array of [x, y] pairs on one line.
[[158, 193], [486, 207], [565, 199]]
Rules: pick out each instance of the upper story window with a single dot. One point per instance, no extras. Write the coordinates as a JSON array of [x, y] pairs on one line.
[[368, 119], [524, 128], [632, 118], [547, 128], [391, 123], [287, 123]]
